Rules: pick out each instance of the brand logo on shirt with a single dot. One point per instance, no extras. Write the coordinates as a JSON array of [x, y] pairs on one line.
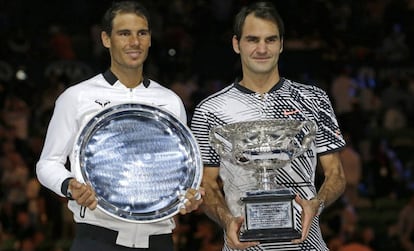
[[338, 133], [159, 105], [102, 103], [290, 112]]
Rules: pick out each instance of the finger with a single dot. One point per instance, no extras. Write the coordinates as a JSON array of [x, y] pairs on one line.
[[193, 194], [197, 196], [202, 191], [232, 235], [183, 207], [93, 205], [305, 231], [74, 184], [306, 223], [237, 244], [190, 193], [87, 196], [91, 201], [298, 199], [194, 204], [76, 188]]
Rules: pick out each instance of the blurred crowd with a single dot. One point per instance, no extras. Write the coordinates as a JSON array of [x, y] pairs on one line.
[[360, 52]]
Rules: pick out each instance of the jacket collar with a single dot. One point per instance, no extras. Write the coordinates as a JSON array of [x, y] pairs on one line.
[[111, 78]]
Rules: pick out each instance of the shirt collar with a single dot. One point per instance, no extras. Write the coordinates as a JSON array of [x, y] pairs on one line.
[[277, 86], [111, 78]]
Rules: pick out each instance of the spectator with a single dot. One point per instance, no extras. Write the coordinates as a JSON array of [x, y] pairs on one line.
[[406, 225]]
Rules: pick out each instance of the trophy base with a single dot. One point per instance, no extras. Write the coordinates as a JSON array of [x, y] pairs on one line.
[[270, 235], [269, 216]]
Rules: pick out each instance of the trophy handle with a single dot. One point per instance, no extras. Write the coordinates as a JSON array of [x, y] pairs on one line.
[[219, 143], [307, 138]]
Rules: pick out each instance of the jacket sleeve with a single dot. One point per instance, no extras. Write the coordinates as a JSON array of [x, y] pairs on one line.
[[63, 127]]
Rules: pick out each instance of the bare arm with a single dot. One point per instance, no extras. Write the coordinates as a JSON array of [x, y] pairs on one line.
[[334, 183], [332, 187], [216, 208], [214, 204]]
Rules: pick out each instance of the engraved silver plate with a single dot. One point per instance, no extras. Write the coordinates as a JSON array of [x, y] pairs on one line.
[[140, 160], [268, 215]]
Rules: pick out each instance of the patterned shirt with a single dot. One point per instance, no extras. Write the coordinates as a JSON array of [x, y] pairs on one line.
[[287, 100]]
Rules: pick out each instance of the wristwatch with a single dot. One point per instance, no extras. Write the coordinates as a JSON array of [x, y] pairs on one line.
[[321, 205]]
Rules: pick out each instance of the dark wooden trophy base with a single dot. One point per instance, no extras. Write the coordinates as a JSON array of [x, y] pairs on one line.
[[269, 216]]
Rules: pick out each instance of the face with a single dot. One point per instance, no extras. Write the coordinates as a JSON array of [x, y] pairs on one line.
[[129, 41], [259, 46]]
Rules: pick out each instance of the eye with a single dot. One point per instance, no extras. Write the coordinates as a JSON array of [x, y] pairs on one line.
[[143, 33], [124, 33], [271, 40], [252, 39]]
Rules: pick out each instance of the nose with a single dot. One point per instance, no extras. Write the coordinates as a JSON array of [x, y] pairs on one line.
[[134, 40], [261, 47]]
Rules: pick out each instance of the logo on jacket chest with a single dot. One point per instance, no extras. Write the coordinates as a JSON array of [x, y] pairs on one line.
[[102, 102]]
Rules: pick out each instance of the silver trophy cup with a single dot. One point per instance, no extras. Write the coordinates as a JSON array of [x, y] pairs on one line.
[[265, 146]]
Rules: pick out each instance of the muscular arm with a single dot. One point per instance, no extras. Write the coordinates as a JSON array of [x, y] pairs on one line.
[[214, 204], [334, 183], [216, 208], [332, 187]]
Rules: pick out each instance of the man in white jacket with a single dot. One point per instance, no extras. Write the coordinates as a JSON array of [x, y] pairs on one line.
[[127, 35]]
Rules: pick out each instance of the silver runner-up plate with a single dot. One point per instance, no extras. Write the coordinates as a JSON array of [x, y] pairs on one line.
[[140, 160]]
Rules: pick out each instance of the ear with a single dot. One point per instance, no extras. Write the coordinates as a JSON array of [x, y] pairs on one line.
[[235, 43], [106, 41], [281, 46]]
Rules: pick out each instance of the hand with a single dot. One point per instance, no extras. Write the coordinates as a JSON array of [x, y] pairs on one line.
[[232, 235], [309, 210], [193, 200], [83, 194]]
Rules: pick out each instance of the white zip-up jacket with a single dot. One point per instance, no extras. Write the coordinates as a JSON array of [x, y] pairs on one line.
[[74, 107]]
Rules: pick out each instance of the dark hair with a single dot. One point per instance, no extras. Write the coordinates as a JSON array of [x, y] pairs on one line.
[[123, 7], [264, 10]]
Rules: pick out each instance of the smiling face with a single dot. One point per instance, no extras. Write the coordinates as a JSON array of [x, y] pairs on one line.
[[128, 42], [259, 46]]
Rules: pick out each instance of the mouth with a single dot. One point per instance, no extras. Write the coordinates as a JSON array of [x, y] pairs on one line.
[[134, 54], [261, 59]]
